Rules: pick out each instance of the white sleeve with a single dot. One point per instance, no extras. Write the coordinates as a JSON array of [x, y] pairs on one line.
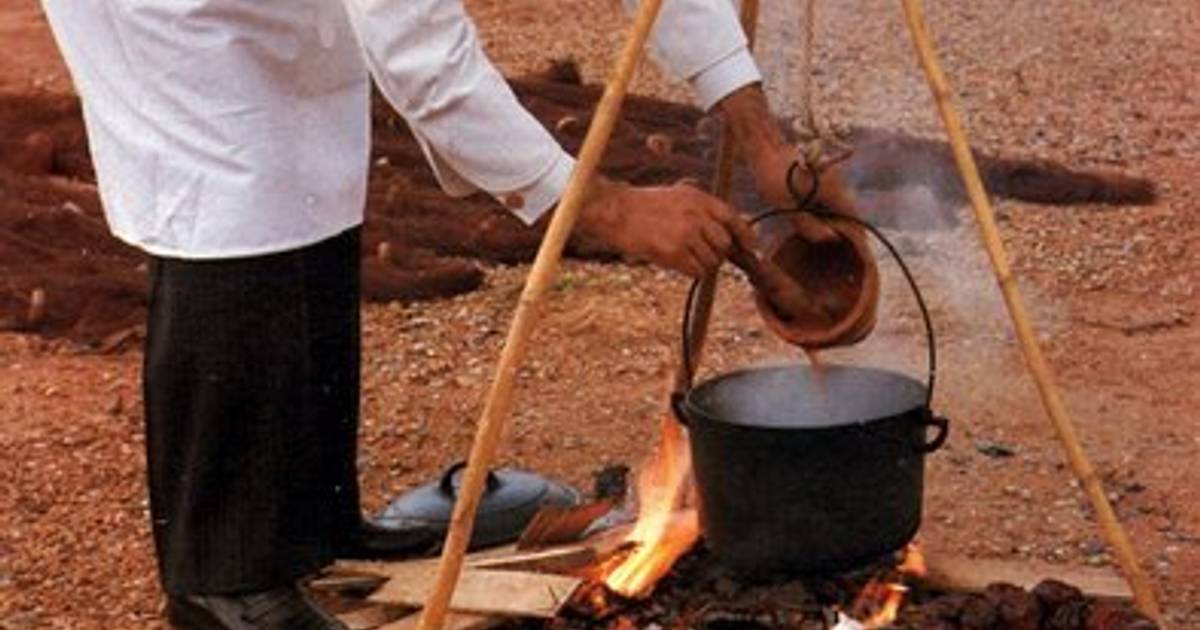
[[702, 41], [427, 60]]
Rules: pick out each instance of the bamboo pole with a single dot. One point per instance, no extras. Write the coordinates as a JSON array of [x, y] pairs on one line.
[[721, 188], [545, 266], [1143, 590]]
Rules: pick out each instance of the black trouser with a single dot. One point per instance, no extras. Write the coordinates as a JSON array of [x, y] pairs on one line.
[[251, 390]]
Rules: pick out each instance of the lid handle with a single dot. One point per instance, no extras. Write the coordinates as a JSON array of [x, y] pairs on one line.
[[448, 488]]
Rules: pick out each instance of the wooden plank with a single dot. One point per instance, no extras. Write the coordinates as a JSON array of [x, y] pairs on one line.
[[558, 525], [385, 568], [552, 560], [491, 592], [347, 582], [453, 621], [973, 575], [372, 616], [555, 560]]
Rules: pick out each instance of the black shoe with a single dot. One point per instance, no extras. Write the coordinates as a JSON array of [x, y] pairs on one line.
[[368, 540], [285, 608]]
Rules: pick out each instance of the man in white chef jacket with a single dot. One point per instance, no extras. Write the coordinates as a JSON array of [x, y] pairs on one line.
[[231, 142]]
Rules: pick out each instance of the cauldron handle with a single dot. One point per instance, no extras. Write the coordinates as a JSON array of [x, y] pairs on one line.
[[943, 431], [805, 203]]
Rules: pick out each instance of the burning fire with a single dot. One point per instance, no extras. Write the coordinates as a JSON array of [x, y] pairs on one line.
[[664, 529], [879, 603], [667, 527]]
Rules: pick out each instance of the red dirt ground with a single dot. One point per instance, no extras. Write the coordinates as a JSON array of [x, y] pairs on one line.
[[1112, 285]]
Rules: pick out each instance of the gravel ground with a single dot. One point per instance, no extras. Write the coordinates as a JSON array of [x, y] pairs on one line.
[[1113, 290]]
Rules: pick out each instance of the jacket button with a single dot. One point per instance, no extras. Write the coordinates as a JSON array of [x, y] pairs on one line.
[[513, 201]]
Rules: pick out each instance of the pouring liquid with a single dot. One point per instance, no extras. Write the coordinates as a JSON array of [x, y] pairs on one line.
[[817, 382]]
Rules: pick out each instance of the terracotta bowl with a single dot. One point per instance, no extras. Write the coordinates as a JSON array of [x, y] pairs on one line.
[[842, 280]]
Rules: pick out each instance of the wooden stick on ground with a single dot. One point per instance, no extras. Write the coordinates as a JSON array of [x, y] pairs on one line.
[[1143, 591], [960, 574], [499, 402]]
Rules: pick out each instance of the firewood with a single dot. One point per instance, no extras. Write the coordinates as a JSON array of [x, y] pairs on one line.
[[556, 559], [957, 573], [453, 621], [347, 583], [560, 560], [485, 591], [371, 616], [556, 524]]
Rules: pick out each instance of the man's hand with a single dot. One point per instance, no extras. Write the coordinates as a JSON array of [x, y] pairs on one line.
[[678, 227], [770, 157]]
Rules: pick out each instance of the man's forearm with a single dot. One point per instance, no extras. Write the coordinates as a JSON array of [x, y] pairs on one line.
[[749, 120], [756, 133]]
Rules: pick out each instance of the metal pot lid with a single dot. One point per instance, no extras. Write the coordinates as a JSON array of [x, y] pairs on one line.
[[510, 500]]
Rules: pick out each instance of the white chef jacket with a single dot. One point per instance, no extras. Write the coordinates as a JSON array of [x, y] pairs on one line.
[[226, 128]]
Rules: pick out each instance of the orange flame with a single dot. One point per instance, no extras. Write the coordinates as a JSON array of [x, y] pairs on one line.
[[879, 603], [914, 561], [664, 530], [891, 596]]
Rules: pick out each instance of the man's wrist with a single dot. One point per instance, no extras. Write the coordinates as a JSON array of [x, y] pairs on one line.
[[600, 212], [749, 120]]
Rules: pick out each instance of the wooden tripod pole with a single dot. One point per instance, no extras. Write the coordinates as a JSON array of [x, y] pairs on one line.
[[545, 266], [1143, 591], [721, 187]]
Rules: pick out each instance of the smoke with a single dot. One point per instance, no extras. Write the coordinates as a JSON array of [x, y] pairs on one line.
[[912, 192]]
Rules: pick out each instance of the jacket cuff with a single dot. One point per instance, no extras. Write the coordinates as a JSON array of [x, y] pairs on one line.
[[727, 74], [530, 202]]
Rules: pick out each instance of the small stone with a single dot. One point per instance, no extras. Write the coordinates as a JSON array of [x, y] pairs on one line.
[[995, 449]]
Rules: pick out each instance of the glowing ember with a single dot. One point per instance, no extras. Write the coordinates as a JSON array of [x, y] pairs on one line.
[[664, 530]]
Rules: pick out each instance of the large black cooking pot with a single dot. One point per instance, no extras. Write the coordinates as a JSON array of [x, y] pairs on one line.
[[805, 472]]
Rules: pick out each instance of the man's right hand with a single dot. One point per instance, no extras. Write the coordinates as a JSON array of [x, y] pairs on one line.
[[678, 227]]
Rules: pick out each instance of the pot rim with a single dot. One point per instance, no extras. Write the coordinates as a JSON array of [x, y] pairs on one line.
[[689, 410]]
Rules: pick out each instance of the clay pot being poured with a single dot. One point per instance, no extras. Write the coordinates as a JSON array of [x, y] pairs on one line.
[[840, 281]]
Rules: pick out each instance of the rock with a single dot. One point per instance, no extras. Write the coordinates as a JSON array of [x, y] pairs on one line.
[[978, 613], [1054, 594], [1070, 616], [946, 608], [995, 449], [1018, 608]]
